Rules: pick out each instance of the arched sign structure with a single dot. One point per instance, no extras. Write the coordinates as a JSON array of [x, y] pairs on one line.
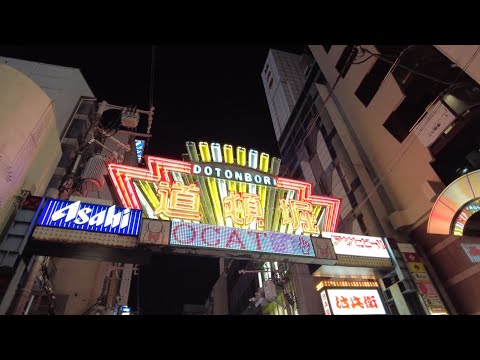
[[455, 205]]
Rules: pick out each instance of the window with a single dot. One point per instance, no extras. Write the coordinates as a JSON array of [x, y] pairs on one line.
[[372, 81], [342, 65], [266, 69], [361, 223], [270, 83], [355, 184], [310, 148], [352, 199], [327, 48], [401, 120]]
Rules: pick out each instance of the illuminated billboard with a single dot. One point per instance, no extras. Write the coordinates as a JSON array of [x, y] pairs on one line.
[[139, 146], [217, 188], [357, 245], [76, 215], [354, 302], [226, 238]]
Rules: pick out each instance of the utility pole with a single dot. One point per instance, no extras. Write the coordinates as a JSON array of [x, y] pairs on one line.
[[282, 283]]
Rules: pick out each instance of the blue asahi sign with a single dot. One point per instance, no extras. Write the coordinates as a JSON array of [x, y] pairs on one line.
[[90, 217]]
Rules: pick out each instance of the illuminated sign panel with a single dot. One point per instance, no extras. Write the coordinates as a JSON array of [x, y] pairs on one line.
[[333, 283], [357, 245], [219, 237], [222, 189], [76, 215], [355, 302], [231, 172], [472, 251], [326, 307], [139, 145]]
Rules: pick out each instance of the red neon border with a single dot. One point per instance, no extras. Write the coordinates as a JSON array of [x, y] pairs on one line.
[[157, 170]]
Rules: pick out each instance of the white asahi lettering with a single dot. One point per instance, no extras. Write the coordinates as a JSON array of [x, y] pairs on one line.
[[197, 169], [258, 179], [207, 170], [98, 219], [248, 177], [125, 218], [217, 170], [82, 214], [70, 211], [112, 218], [266, 180], [228, 174], [238, 176]]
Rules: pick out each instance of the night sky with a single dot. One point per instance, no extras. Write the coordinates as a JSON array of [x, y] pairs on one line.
[[207, 93]]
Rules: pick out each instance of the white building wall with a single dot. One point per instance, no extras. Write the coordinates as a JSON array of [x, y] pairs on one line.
[[392, 160], [466, 57], [29, 142], [64, 85]]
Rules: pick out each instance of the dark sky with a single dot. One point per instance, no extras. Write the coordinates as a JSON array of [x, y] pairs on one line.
[[208, 93]]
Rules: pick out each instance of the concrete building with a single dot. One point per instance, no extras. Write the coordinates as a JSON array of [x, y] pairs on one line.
[[407, 122], [391, 131], [283, 81], [48, 111]]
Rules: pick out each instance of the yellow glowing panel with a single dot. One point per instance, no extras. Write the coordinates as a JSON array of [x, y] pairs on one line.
[[228, 153], [241, 156], [264, 159], [204, 151], [180, 201]]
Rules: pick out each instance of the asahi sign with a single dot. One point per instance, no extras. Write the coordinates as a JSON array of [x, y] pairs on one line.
[[77, 215]]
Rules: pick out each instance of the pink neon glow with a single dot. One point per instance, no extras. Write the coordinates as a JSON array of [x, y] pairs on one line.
[[158, 169]]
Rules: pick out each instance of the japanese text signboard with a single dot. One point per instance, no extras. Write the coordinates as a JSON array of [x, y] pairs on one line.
[[357, 245], [218, 237], [355, 302], [228, 191]]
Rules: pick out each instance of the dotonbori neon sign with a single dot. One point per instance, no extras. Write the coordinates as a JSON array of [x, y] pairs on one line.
[[89, 217], [229, 172], [224, 192]]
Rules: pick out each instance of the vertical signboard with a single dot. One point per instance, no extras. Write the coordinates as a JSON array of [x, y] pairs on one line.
[[426, 288], [326, 307]]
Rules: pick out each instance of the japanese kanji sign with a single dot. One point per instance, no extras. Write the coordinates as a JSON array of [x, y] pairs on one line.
[[224, 194], [355, 302]]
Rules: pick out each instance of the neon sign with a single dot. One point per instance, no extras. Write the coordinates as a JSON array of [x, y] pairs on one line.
[[219, 237], [357, 245], [229, 172], [286, 205], [462, 218], [89, 217], [355, 302], [139, 144]]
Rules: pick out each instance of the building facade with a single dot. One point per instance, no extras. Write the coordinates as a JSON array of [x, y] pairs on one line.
[[405, 115], [52, 110]]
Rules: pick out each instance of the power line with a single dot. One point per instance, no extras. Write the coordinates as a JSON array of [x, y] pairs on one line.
[[152, 75], [397, 64], [408, 141]]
